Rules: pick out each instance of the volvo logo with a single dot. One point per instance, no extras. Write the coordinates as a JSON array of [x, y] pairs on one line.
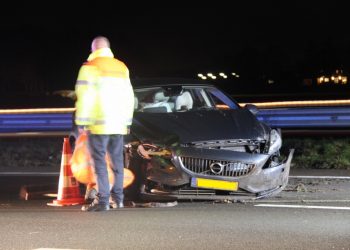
[[216, 168]]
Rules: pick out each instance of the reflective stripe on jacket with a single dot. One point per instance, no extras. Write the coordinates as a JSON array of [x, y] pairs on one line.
[[105, 97]]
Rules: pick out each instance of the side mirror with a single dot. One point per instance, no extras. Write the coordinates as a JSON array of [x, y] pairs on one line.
[[252, 108]]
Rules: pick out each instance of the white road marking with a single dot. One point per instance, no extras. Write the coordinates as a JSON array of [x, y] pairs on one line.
[[302, 206], [56, 249], [318, 177], [303, 200]]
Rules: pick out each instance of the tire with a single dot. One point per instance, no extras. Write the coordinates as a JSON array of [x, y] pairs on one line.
[[136, 166]]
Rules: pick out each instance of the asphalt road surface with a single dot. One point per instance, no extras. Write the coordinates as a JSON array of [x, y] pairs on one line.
[[187, 225], [309, 215]]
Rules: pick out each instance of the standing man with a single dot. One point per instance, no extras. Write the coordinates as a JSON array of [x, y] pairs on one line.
[[104, 106]]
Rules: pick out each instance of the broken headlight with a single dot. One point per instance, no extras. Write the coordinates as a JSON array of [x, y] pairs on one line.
[[275, 141]]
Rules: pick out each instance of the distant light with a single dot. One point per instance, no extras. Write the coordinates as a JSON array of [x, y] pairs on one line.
[[204, 77], [200, 75], [336, 78], [320, 80], [270, 81], [233, 73], [211, 75], [237, 76], [223, 75]]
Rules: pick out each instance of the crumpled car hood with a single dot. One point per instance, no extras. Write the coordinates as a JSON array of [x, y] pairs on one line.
[[184, 127]]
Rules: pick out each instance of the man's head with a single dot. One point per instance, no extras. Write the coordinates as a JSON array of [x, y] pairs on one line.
[[99, 43]]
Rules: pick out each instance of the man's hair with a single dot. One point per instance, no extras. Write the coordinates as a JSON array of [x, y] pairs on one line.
[[100, 42]]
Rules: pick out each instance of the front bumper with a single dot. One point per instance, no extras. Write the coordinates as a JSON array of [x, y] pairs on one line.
[[261, 182]]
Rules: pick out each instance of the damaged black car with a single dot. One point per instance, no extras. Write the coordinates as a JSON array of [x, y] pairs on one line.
[[193, 141]]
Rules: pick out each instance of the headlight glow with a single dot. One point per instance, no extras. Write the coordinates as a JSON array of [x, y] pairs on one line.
[[275, 141]]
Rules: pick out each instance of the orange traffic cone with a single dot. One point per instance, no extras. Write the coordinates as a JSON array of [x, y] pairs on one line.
[[68, 186]]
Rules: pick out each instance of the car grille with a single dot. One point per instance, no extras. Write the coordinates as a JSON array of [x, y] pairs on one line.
[[215, 167]]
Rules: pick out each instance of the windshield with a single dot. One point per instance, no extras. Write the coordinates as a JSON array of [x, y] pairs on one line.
[[170, 99]]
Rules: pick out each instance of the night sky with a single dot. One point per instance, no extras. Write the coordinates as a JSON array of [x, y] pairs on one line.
[[279, 40]]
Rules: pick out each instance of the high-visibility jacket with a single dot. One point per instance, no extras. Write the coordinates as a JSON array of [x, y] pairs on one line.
[[105, 97]]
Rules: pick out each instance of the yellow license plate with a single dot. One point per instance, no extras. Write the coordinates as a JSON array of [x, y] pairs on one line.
[[214, 184]]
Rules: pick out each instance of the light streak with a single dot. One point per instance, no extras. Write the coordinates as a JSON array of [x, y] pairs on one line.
[[277, 104], [37, 111], [290, 104]]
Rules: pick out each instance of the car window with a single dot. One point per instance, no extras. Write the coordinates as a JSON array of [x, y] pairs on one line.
[[212, 98], [152, 100], [181, 99], [202, 99], [221, 100]]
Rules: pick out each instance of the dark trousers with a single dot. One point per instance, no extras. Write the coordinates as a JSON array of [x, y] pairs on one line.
[[99, 146]]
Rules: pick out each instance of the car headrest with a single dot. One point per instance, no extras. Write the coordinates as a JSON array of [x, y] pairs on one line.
[[136, 103], [184, 101], [159, 97]]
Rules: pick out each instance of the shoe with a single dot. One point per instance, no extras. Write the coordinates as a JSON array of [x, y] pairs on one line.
[[91, 194], [120, 204], [95, 207], [115, 204]]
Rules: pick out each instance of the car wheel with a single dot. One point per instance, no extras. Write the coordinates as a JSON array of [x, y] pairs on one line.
[[133, 191]]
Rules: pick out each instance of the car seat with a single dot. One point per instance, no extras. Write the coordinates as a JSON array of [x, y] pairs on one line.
[[159, 105], [184, 101], [160, 97]]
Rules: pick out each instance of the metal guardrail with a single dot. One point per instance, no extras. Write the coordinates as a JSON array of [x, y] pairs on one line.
[[28, 122], [306, 117], [284, 118]]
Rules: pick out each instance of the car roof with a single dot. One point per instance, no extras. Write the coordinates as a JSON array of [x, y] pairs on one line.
[[166, 81]]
